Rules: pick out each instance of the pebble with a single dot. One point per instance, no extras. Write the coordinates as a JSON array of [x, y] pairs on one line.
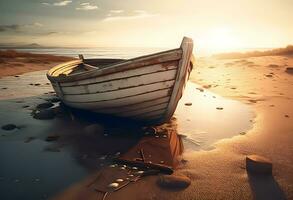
[[112, 166], [103, 157], [174, 181], [188, 104], [134, 168], [258, 165], [200, 89], [51, 138], [242, 133], [9, 127], [44, 114], [287, 116], [119, 180], [45, 105], [4, 88], [150, 131], [16, 180], [219, 108], [289, 70], [29, 139], [37, 180], [113, 185], [207, 86]]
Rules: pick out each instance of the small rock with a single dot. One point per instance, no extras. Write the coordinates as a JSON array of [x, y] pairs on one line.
[[207, 86], [149, 131], [219, 108], [119, 180], [51, 138], [200, 89], [174, 181], [269, 75], [25, 106], [242, 133], [287, 116], [29, 139], [188, 104], [4, 88], [258, 165], [9, 127], [16, 76], [289, 70], [103, 157], [45, 105], [113, 185], [44, 114], [37, 84]]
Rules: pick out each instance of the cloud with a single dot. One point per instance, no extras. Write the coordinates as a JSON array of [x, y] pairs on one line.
[[60, 3], [116, 11], [12, 27], [123, 15], [17, 28], [87, 6]]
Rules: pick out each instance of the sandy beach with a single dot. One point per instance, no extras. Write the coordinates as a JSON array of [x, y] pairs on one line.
[[260, 87]]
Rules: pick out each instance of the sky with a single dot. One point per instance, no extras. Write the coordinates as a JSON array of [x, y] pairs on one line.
[[214, 25]]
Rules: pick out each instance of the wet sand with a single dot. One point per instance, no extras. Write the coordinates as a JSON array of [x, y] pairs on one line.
[[258, 87]]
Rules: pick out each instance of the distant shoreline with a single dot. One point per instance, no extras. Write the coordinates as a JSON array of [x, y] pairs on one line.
[[15, 63], [287, 51]]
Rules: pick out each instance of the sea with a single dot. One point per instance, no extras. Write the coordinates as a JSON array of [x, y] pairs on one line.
[[101, 52]]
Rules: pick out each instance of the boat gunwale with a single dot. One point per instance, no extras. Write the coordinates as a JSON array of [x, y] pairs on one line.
[[123, 65]]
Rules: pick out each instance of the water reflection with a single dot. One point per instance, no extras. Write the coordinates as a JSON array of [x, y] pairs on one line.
[[204, 118]]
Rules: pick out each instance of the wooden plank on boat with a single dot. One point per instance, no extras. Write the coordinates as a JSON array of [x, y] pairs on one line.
[[143, 111], [118, 94], [133, 107], [121, 101], [121, 84], [125, 74]]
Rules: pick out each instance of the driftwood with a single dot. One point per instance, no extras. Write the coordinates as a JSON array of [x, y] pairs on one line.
[[147, 165]]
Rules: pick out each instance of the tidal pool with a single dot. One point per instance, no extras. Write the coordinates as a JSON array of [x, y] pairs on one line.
[[204, 117]]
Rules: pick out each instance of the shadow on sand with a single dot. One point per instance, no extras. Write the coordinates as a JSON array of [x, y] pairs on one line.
[[265, 187]]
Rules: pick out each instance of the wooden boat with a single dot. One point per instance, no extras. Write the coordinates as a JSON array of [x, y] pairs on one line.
[[145, 88]]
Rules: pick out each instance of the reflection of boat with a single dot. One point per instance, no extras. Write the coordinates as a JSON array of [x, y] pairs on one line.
[[146, 88]]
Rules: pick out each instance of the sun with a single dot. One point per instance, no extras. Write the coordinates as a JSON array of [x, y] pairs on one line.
[[219, 40]]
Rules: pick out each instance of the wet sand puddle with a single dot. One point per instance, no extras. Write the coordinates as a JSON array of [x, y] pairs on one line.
[[34, 167], [204, 118]]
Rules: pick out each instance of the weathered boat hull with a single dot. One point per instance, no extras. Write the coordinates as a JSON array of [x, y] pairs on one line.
[[147, 88]]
